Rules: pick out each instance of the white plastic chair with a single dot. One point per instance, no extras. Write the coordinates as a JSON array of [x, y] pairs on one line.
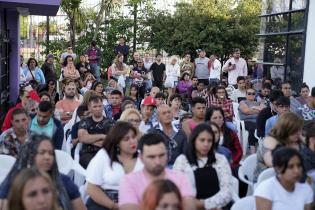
[[246, 172], [265, 174], [235, 189], [240, 125], [247, 203], [6, 164], [66, 164]]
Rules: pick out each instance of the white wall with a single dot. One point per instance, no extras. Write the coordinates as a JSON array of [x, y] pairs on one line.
[[309, 63]]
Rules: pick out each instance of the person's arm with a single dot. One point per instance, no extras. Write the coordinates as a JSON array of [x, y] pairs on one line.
[[237, 151], [86, 138], [189, 203], [100, 197], [262, 203], [193, 70], [42, 77], [78, 204], [246, 110], [245, 70]]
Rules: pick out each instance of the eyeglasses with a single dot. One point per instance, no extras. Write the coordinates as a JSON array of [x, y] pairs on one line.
[[134, 121], [251, 94]]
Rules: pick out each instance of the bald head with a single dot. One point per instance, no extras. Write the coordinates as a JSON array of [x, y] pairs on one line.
[[164, 114]]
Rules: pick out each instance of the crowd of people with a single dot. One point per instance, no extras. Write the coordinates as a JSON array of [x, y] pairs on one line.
[[157, 136]]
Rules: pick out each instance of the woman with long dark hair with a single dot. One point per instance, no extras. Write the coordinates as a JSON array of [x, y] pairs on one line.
[[117, 158], [39, 152], [33, 72], [208, 171], [228, 138]]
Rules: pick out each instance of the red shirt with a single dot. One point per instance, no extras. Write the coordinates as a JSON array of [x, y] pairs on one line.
[[7, 121], [235, 148]]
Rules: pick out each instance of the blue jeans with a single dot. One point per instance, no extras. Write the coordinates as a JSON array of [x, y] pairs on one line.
[[95, 68]]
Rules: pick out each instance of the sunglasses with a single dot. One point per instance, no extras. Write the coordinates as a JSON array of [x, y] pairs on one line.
[[251, 94]]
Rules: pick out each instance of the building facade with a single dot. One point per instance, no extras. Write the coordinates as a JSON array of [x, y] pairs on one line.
[[285, 40]]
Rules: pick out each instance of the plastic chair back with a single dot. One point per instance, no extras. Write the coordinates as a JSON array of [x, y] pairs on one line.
[[6, 164], [265, 174], [247, 203]]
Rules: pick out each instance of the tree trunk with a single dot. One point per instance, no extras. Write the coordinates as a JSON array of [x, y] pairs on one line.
[[135, 26], [72, 33], [99, 17]]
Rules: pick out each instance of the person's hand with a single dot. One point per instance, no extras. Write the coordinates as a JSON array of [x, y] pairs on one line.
[[98, 143], [115, 206]]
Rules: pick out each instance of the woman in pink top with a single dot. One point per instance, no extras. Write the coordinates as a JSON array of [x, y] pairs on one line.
[[70, 71]]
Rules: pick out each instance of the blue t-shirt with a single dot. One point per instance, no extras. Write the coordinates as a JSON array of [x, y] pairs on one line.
[[71, 188]]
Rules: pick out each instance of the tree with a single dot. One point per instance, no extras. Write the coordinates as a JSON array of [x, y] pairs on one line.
[[74, 15], [204, 25]]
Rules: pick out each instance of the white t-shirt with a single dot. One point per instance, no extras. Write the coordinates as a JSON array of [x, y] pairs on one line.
[[281, 199], [101, 173], [240, 69], [237, 94], [215, 70]]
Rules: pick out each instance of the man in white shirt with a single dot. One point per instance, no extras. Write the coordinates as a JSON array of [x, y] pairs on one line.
[[215, 70], [240, 92], [235, 66]]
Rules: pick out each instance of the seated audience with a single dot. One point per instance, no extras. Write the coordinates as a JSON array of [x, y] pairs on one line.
[[286, 133], [153, 153], [307, 111], [308, 151], [105, 171], [208, 171], [39, 152], [32, 189], [284, 191], [224, 103], [240, 93], [304, 94]]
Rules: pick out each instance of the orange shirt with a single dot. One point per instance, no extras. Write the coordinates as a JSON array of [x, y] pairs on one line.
[[66, 108]]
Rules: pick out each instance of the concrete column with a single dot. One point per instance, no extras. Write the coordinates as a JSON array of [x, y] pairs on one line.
[[309, 72], [13, 19]]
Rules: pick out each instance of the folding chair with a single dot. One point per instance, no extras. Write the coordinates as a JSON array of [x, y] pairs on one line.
[[247, 203], [6, 164], [246, 172]]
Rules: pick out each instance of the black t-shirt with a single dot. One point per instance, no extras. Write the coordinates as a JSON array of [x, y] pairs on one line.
[[81, 67], [93, 127], [158, 71]]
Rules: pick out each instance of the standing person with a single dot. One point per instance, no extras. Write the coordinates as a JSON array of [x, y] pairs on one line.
[[65, 107], [203, 65], [37, 183], [153, 153], [70, 72], [69, 52], [161, 194], [93, 130], [240, 93], [198, 109], [139, 76], [82, 66], [122, 48], [135, 57], [39, 153], [215, 71], [187, 66], [176, 140], [120, 70], [307, 111], [147, 61], [158, 71], [12, 139], [172, 74], [48, 68], [33, 72], [284, 191], [95, 59], [235, 66], [117, 157], [304, 94], [208, 171], [45, 123]]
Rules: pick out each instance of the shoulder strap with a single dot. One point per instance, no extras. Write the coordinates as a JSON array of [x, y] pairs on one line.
[[31, 73]]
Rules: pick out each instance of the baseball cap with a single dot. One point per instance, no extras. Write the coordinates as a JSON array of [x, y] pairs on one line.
[[149, 101]]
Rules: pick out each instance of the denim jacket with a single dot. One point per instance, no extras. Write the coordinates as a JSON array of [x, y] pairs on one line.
[[38, 75]]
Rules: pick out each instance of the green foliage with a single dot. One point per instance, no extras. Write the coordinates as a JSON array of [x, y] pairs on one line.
[[216, 28]]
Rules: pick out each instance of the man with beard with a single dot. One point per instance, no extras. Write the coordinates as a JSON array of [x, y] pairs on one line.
[[66, 107], [158, 72], [44, 123], [92, 130], [153, 154]]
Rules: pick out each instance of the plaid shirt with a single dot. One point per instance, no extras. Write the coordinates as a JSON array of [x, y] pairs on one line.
[[226, 105]]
